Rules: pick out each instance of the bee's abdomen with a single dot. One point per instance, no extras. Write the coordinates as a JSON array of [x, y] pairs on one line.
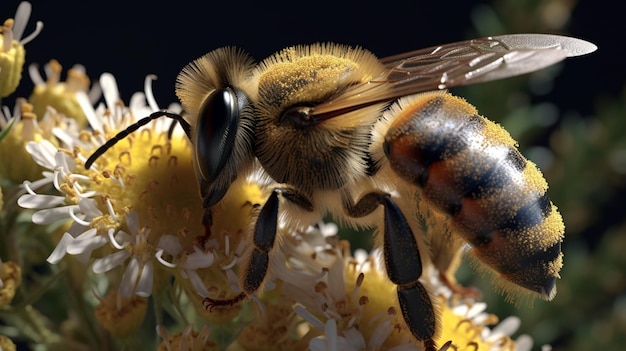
[[469, 168]]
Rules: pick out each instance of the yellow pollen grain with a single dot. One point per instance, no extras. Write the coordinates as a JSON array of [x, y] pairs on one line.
[[309, 78]]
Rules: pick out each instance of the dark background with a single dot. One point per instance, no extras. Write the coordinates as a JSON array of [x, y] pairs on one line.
[[132, 39], [588, 138]]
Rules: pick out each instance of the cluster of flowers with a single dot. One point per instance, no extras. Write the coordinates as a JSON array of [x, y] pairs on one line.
[[129, 231]]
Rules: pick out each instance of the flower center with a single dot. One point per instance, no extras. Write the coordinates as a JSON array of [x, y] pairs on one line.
[[152, 175]]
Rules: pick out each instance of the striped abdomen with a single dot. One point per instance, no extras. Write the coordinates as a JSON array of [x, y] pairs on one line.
[[469, 168]]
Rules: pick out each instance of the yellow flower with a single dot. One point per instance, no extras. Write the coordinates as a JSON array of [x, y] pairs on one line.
[[187, 340], [10, 279], [6, 344], [349, 302], [12, 49], [62, 96], [138, 201], [119, 315], [15, 161]]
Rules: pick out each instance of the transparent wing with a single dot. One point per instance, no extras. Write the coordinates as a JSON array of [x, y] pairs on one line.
[[461, 63]]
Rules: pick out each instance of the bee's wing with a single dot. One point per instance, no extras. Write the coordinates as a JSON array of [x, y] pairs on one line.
[[461, 63], [480, 60]]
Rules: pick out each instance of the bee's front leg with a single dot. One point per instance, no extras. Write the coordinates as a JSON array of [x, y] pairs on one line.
[[254, 272]]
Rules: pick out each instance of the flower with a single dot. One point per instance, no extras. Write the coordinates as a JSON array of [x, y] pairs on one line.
[[10, 279], [6, 344], [18, 128], [12, 48], [187, 340], [349, 299], [136, 214], [124, 201], [119, 315], [61, 96]]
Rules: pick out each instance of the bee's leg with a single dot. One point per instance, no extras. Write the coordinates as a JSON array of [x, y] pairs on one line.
[[263, 239], [209, 199], [255, 270], [403, 265], [264, 236]]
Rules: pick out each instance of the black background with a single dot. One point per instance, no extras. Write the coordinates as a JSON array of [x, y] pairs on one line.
[[132, 39]]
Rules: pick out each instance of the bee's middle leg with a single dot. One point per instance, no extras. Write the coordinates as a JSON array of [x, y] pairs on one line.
[[403, 264]]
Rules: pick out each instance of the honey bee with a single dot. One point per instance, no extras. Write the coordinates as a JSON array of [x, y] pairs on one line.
[[378, 143]]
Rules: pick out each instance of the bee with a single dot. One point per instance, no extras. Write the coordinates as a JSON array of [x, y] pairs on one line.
[[378, 143]]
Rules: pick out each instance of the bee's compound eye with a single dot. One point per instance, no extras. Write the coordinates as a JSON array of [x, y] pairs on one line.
[[216, 128]]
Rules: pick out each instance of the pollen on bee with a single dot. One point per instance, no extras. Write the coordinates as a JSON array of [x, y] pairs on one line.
[[311, 73]]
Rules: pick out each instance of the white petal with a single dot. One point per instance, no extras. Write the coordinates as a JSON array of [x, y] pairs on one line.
[[171, 244], [52, 215], [78, 246], [330, 330], [381, 333], [35, 76], [144, 285], [61, 159], [476, 309], [110, 90], [109, 262], [524, 343], [354, 339], [147, 87], [77, 229], [40, 201], [87, 234], [197, 283], [317, 344], [507, 327], [94, 121], [90, 208], [308, 316], [60, 249], [132, 221], [199, 259], [328, 229], [21, 18], [43, 153], [461, 309], [67, 137], [137, 104], [122, 238], [129, 279]]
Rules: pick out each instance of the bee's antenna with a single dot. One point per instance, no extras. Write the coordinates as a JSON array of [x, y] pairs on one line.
[[133, 127]]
